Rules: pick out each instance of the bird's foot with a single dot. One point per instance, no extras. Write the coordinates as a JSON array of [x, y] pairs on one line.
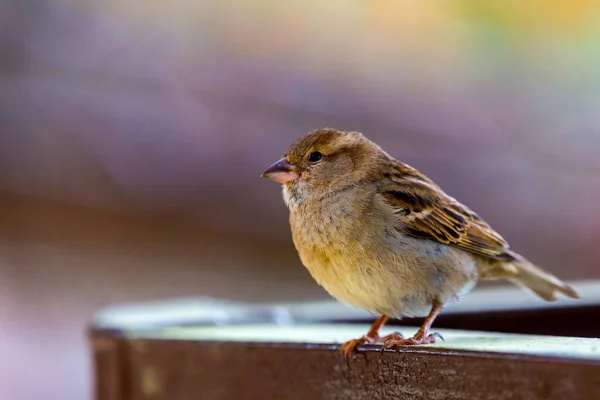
[[394, 341], [350, 346]]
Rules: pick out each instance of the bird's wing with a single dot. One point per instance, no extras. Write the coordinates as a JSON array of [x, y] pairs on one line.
[[427, 212]]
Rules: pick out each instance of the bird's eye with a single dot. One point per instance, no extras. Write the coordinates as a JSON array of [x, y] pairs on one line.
[[315, 157]]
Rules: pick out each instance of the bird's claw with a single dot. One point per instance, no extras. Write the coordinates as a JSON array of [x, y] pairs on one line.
[[392, 342], [395, 341], [350, 346]]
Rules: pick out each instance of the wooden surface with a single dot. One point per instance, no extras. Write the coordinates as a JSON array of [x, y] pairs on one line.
[[207, 349], [304, 363]]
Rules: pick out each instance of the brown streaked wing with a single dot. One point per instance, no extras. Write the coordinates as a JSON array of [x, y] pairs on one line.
[[428, 213]]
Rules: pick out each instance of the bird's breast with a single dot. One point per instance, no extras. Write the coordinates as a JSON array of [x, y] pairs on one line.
[[360, 258], [343, 248]]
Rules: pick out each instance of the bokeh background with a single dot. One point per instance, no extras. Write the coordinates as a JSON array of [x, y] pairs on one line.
[[133, 134]]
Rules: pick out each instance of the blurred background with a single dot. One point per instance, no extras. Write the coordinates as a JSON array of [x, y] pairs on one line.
[[133, 134]]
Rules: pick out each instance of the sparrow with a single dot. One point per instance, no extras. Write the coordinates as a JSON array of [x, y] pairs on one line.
[[380, 236]]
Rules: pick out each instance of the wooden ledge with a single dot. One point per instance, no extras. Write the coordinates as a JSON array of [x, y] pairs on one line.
[[210, 349], [330, 336], [303, 362]]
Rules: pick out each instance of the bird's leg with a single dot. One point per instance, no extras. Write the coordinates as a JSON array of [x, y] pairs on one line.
[[371, 337], [422, 336]]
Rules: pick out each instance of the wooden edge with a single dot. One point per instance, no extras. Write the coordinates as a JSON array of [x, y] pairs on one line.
[[110, 372], [184, 369], [332, 335], [362, 350]]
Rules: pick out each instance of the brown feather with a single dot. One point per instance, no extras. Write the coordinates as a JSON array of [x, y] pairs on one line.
[[427, 212]]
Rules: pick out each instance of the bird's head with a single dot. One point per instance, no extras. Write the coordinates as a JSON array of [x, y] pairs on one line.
[[325, 160]]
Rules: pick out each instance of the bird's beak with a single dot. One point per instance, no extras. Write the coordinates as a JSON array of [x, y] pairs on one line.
[[281, 172]]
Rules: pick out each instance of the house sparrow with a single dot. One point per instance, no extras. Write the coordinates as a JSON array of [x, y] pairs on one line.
[[380, 236]]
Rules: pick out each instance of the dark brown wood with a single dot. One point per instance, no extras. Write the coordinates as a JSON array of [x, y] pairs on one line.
[[182, 370], [174, 351], [110, 378], [204, 363]]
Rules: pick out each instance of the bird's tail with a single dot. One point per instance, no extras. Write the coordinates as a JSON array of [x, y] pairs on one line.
[[523, 273], [541, 282]]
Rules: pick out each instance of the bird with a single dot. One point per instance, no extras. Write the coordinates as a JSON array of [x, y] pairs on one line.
[[379, 235]]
